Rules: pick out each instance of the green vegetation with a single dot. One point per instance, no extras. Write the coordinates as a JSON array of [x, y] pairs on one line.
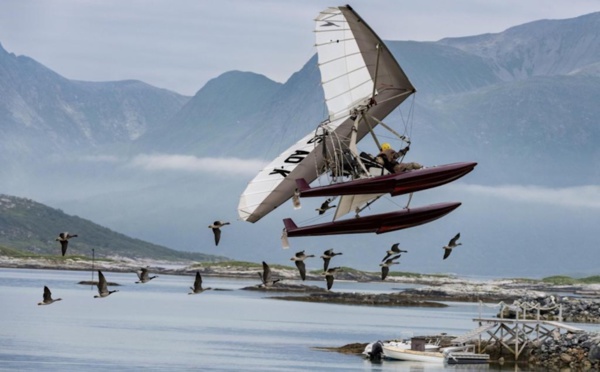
[[595, 279], [17, 253], [343, 268], [567, 280], [281, 267], [525, 280], [347, 269], [416, 275], [559, 280], [404, 274], [238, 264]]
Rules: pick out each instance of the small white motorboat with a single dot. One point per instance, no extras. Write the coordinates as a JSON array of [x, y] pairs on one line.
[[377, 350], [419, 350], [400, 353]]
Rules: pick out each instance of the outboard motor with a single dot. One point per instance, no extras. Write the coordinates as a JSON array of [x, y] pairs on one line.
[[376, 353]]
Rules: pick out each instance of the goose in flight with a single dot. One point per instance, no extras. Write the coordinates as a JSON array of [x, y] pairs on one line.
[[144, 276], [197, 288], [392, 251], [385, 267], [299, 261], [102, 286], [216, 228], [329, 276], [63, 238], [48, 297], [327, 256], [265, 276], [325, 206], [451, 245]]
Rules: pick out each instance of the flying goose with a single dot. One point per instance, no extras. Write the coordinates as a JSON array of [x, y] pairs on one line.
[[265, 276], [216, 228], [325, 206], [197, 288], [451, 245], [102, 287], [329, 276], [299, 261], [144, 276], [385, 267], [327, 256], [63, 238], [392, 251], [48, 297]]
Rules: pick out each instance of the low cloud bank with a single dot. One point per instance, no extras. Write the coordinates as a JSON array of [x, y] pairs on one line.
[[188, 163], [577, 196]]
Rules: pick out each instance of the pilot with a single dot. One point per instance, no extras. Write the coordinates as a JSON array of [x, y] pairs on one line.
[[388, 157]]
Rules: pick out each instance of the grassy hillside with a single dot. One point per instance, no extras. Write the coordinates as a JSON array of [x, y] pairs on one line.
[[28, 226], [567, 280]]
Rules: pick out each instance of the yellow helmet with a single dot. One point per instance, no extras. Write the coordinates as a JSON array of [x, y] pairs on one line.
[[385, 146]]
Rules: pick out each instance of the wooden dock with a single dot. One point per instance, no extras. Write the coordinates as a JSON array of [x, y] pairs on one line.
[[514, 334]]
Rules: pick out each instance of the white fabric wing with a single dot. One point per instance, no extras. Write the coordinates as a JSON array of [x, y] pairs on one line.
[[354, 65]]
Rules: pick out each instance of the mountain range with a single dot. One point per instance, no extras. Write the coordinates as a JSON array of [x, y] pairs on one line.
[[161, 166]]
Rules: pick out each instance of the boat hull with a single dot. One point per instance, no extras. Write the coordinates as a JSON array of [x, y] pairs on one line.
[[392, 352], [379, 224], [394, 184]]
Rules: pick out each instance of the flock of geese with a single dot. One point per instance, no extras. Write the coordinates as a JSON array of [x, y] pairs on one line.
[[299, 258], [103, 291], [390, 258], [143, 276]]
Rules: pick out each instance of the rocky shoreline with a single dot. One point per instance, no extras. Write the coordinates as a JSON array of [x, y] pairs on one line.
[[549, 307], [383, 299], [576, 351], [434, 287]]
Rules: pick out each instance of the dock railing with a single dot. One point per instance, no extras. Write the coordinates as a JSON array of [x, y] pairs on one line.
[[514, 334]]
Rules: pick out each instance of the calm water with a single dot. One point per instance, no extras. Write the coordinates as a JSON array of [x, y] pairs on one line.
[[158, 326]]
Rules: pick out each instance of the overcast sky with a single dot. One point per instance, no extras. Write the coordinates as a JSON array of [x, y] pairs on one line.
[[180, 45]]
